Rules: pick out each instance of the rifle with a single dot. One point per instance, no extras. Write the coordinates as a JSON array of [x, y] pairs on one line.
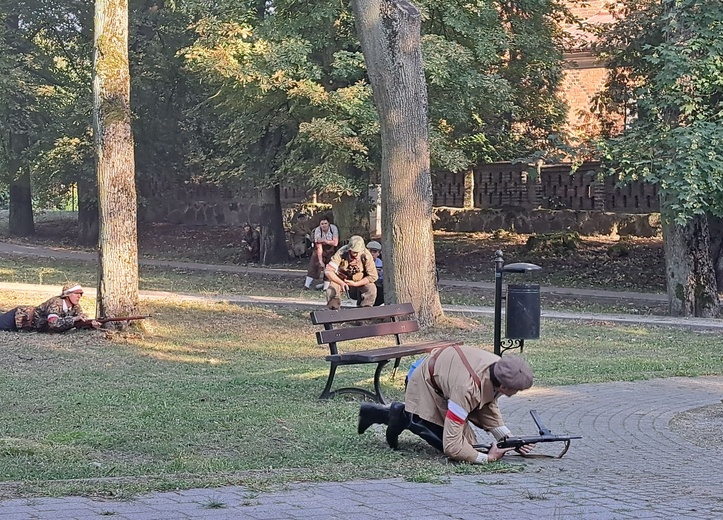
[[88, 324], [544, 436]]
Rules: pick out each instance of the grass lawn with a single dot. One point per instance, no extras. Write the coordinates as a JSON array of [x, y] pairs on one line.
[[215, 394]]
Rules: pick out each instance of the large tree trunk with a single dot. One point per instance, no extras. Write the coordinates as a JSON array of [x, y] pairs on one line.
[[20, 218], [87, 213], [689, 270], [273, 236], [118, 241], [351, 216], [715, 225], [389, 31]]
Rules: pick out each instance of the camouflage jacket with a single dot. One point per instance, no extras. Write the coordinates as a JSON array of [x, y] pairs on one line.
[[348, 268], [36, 318]]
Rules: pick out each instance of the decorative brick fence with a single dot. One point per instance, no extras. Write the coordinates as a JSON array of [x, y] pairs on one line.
[[504, 195], [505, 185]]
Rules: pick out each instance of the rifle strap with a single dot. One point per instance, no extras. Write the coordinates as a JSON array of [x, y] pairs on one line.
[[544, 456], [433, 361]]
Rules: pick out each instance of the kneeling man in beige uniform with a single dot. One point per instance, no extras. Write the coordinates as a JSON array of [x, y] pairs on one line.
[[452, 387]]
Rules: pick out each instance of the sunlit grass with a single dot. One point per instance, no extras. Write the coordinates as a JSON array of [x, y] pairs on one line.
[[215, 394]]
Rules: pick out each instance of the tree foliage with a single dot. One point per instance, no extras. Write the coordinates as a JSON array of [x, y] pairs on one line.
[[45, 91], [669, 62], [290, 87], [270, 91]]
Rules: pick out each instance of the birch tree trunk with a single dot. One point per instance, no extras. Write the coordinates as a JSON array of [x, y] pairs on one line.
[[689, 269], [389, 31], [115, 166]]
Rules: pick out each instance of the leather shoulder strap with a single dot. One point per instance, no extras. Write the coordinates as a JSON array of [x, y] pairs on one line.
[[465, 362]]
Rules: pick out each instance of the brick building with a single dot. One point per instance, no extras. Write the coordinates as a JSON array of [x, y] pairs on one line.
[[584, 76]]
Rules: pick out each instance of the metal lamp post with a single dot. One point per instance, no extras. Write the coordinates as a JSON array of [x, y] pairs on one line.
[[523, 307]]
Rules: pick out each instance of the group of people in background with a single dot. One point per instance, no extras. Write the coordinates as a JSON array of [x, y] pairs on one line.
[[355, 269]]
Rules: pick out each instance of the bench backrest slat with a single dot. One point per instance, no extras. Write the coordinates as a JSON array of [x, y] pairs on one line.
[[361, 313], [366, 331]]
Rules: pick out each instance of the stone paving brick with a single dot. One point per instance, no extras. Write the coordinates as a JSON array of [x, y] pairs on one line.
[[621, 469]]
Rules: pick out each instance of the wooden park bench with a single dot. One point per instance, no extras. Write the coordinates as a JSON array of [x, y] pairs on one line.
[[394, 320]]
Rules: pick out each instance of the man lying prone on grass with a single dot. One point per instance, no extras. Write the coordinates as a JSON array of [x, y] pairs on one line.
[[58, 314]]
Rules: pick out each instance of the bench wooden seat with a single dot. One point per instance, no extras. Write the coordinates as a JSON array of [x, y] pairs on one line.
[[403, 320]]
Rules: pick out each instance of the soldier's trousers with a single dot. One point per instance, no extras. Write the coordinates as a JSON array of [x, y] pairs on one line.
[[364, 295], [7, 320]]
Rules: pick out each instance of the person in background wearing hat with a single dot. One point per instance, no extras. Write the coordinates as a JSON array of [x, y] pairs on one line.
[[452, 387], [351, 270], [58, 314], [375, 248]]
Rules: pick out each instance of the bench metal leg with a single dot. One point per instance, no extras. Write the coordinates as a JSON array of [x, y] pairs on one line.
[[377, 396], [396, 366], [327, 394], [377, 387]]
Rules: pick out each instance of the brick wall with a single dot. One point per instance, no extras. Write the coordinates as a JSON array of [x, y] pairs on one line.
[[582, 81], [589, 9], [584, 76]]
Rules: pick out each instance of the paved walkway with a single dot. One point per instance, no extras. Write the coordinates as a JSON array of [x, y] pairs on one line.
[[23, 250], [692, 323], [629, 465]]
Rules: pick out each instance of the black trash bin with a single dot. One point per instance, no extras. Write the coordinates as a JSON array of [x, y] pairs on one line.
[[523, 311]]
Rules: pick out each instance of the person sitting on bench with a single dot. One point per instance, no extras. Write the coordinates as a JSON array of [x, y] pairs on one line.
[[451, 387], [58, 314], [351, 270]]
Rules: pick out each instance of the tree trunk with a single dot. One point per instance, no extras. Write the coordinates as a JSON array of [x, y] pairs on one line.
[[273, 236], [20, 218], [715, 225], [689, 270], [351, 216], [389, 31], [87, 213], [115, 168]]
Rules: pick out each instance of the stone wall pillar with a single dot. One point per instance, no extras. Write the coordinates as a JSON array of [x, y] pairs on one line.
[[469, 189], [375, 215]]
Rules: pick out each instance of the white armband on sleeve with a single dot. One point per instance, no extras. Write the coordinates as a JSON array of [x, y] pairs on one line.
[[500, 432], [481, 459]]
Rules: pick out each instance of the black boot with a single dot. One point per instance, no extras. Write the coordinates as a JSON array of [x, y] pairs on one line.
[[371, 413], [398, 422], [430, 432]]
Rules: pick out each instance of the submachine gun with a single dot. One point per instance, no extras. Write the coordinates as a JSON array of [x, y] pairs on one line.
[[545, 435]]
